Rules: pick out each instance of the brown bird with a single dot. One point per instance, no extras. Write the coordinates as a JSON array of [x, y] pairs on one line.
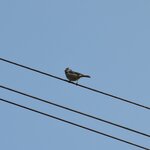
[[74, 76]]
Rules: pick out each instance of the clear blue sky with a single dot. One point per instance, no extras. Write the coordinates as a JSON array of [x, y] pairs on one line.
[[107, 39]]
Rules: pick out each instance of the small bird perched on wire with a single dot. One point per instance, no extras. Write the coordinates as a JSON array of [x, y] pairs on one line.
[[74, 76]]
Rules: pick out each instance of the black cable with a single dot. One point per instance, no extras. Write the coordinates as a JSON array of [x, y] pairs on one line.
[[77, 125], [75, 111], [95, 90]]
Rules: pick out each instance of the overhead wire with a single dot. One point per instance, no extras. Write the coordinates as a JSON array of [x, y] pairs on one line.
[[73, 110], [89, 88], [75, 124]]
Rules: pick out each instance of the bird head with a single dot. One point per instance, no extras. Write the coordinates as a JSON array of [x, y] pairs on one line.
[[67, 69]]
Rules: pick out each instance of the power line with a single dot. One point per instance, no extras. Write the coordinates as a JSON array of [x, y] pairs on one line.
[[74, 124], [75, 111], [91, 89]]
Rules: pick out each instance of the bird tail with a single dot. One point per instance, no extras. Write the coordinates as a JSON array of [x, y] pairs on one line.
[[87, 76]]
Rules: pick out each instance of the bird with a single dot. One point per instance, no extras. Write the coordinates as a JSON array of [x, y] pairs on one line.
[[74, 76]]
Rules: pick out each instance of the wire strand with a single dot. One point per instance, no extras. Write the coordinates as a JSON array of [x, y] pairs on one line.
[[75, 111], [91, 89], [75, 124]]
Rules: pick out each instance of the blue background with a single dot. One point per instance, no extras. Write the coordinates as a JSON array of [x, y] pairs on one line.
[[107, 39]]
